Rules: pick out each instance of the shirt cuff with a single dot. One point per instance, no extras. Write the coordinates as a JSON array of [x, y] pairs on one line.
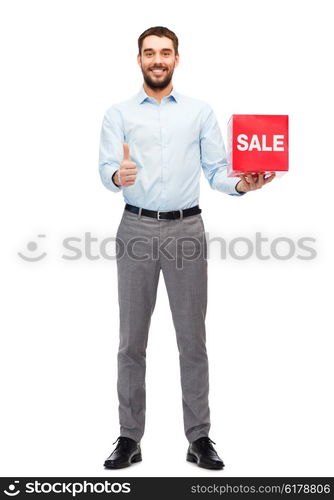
[[236, 193], [113, 180], [106, 173]]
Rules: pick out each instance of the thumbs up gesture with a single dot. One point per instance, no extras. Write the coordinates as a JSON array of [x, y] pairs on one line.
[[127, 172]]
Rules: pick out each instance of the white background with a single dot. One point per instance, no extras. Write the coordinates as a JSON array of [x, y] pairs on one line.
[[269, 322]]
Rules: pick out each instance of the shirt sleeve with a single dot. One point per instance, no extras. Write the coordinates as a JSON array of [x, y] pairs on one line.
[[213, 156], [111, 148]]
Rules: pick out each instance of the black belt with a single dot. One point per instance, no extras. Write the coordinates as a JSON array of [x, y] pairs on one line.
[[158, 214]]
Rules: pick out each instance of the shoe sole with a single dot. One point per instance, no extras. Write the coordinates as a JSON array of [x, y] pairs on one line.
[[134, 459], [193, 459]]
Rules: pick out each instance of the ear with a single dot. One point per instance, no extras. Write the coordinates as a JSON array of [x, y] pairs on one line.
[[177, 58], [139, 60]]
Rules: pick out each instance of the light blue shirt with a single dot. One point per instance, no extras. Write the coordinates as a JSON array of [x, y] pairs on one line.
[[170, 142]]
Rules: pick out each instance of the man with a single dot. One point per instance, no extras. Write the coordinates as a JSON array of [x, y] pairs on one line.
[[153, 148]]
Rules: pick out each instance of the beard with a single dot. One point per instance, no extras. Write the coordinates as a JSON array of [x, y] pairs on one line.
[[157, 84]]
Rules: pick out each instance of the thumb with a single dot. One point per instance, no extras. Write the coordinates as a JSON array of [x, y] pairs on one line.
[[126, 151]]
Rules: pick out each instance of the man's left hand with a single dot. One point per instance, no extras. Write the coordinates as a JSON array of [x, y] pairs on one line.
[[250, 182]]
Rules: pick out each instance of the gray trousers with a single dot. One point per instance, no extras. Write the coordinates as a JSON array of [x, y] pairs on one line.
[[178, 247]]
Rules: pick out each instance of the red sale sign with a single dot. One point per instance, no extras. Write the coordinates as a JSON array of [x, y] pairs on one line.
[[257, 144]]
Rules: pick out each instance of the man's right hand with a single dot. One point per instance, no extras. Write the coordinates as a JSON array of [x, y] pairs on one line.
[[127, 172]]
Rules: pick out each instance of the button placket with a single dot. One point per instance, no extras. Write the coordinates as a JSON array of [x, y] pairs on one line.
[[163, 159]]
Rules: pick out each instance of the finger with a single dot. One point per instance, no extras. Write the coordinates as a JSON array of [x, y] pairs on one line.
[[270, 178], [130, 178], [128, 172], [126, 152], [269, 174], [128, 165], [250, 180], [127, 175], [244, 177], [260, 181]]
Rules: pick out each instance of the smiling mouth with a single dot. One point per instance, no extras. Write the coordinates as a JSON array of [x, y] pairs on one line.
[[158, 72]]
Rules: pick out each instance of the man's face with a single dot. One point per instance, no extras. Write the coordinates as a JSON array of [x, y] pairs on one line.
[[157, 61]]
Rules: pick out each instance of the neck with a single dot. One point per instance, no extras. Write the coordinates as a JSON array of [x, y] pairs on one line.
[[158, 94]]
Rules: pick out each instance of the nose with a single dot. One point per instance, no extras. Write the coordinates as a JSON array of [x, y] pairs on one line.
[[157, 59]]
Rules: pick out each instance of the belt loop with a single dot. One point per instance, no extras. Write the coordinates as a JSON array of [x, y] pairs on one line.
[[181, 214], [139, 213]]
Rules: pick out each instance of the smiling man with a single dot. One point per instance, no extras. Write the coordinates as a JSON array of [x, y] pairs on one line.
[[157, 75], [153, 149]]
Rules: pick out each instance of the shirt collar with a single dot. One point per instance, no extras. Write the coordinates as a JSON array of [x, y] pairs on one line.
[[142, 96]]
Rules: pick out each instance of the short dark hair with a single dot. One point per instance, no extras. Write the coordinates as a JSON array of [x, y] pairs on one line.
[[159, 31]]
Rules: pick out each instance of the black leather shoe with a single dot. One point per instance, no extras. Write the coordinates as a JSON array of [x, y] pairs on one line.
[[126, 453], [203, 453]]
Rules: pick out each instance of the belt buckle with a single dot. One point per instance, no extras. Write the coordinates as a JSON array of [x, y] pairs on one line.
[[158, 216]]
